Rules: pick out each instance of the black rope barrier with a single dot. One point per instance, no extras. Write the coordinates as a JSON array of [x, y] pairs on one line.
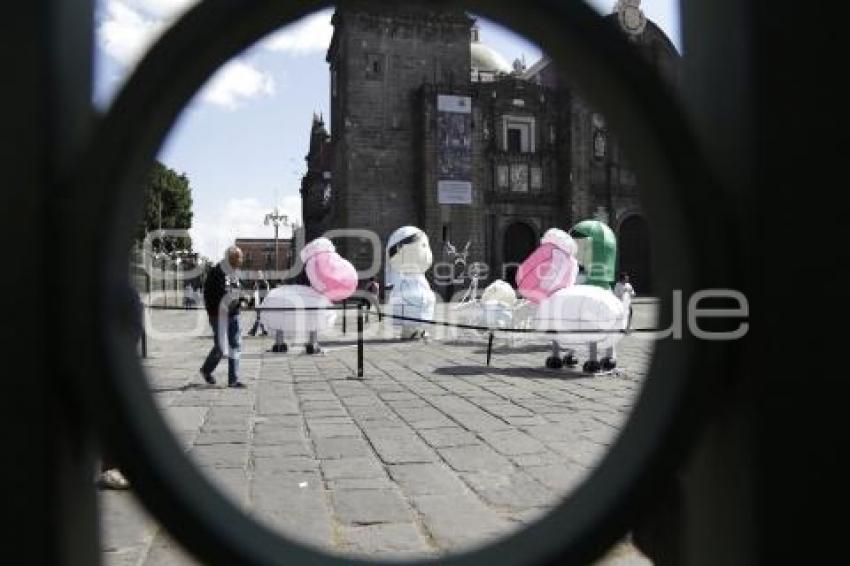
[[460, 325], [490, 330]]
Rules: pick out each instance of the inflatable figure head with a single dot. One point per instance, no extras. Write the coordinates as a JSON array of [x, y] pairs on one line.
[[597, 252], [328, 272], [408, 251], [551, 267], [499, 292]]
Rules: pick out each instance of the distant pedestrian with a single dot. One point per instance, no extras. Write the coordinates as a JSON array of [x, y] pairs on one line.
[[581, 278], [223, 301], [188, 296], [373, 288], [261, 289], [623, 288]]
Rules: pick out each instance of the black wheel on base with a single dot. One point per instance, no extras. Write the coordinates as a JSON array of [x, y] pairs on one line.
[[570, 361], [592, 366], [554, 362]]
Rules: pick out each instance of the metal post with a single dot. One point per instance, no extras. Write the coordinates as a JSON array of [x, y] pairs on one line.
[[344, 312], [489, 348], [145, 315], [360, 341]]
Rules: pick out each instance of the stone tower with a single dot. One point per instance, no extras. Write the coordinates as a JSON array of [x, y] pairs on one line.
[[379, 59]]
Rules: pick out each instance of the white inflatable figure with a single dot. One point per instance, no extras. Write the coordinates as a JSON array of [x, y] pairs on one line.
[[497, 303], [572, 307], [332, 278], [408, 258]]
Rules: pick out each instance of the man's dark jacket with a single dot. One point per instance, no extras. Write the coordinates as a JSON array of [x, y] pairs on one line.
[[215, 289]]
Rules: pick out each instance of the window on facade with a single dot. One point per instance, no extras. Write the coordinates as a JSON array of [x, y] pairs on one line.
[[374, 66], [599, 144], [503, 180], [536, 178], [514, 140], [519, 178], [518, 134], [333, 82]]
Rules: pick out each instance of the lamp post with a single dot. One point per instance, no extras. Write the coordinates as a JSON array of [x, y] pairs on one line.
[[276, 219]]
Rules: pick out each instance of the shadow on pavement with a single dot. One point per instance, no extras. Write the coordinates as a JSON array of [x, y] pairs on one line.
[[536, 372]]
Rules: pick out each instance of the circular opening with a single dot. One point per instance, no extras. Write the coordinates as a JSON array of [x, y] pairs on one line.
[[135, 127]]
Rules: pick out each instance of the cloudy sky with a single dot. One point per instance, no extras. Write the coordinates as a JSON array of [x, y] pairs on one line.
[[243, 138]]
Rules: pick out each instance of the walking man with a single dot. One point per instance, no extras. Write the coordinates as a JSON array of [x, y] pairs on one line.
[[223, 301]]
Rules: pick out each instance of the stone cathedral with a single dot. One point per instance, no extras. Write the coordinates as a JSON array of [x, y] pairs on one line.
[[431, 127]]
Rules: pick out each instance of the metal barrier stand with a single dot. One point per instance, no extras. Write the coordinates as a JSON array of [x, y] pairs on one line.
[[359, 341]]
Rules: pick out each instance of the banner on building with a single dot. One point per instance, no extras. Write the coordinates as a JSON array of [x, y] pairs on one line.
[[454, 192], [454, 149]]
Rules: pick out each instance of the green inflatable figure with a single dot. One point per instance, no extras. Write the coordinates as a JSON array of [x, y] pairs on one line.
[[597, 252]]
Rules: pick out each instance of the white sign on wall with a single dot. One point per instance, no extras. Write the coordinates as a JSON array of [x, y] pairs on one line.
[[451, 103], [454, 192]]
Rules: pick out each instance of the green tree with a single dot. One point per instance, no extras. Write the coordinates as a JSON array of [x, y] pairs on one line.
[[168, 194]]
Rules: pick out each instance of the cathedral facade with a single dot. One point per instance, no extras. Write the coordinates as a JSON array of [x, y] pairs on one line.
[[430, 127]]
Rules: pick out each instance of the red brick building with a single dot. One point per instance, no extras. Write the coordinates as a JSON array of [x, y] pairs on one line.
[[260, 253]]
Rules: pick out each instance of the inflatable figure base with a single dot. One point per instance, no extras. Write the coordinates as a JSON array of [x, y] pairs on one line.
[[412, 335], [310, 349], [568, 365]]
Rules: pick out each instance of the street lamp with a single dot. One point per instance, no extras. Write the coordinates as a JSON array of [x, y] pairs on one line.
[[276, 219]]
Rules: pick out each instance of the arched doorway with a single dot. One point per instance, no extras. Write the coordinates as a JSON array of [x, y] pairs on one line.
[[635, 253], [517, 244]]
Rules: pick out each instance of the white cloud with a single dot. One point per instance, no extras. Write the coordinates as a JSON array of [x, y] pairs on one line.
[[237, 81], [238, 218], [311, 34], [129, 27], [163, 9], [125, 34]]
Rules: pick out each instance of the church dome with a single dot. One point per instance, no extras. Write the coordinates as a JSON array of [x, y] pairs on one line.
[[486, 58]]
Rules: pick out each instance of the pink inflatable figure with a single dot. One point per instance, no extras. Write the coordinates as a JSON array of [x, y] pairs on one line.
[[332, 278], [551, 267]]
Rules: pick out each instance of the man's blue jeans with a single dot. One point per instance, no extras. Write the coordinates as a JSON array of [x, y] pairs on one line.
[[234, 342]]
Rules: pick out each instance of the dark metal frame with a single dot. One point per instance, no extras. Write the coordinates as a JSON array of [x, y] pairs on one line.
[[678, 200]]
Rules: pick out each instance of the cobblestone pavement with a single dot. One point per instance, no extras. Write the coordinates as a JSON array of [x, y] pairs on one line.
[[432, 453]]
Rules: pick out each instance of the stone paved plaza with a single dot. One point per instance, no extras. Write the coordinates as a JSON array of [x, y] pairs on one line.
[[432, 453]]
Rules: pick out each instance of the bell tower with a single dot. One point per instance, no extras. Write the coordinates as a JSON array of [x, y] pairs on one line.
[[380, 56]]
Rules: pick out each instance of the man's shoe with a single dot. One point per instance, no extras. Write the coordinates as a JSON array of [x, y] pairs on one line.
[[236, 385], [208, 377]]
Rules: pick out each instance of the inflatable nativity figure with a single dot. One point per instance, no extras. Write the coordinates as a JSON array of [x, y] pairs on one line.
[[497, 303], [332, 278], [408, 258], [548, 278]]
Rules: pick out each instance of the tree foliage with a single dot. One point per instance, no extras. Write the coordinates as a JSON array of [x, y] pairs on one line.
[[169, 194]]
